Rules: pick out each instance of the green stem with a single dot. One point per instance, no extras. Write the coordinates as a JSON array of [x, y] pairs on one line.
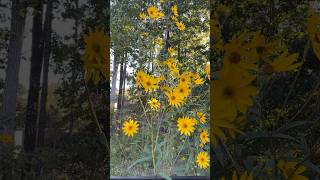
[[174, 162], [152, 140]]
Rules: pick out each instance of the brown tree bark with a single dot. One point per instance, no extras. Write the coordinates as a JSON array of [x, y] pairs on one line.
[[34, 80], [47, 31]]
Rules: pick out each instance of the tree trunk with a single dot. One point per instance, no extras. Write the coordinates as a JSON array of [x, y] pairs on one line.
[[46, 57], [119, 106], [34, 80], [13, 66], [114, 80], [124, 80], [74, 73]]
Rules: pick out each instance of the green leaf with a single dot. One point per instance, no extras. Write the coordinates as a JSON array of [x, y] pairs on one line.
[[144, 159], [165, 176], [179, 170], [159, 145]]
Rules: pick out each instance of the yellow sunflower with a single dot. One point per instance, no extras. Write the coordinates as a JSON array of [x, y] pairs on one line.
[[174, 10], [172, 65], [172, 51], [166, 89], [202, 117], [174, 99], [204, 137], [239, 54], [264, 49], [197, 79], [140, 75], [96, 55], [182, 89], [185, 78], [174, 18], [150, 83], [154, 13], [160, 15], [291, 170], [284, 62], [223, 124], [180, 26], [143, 16], [154, 104], [186, 125], [130, 127], [233, 91], [203, 160], [168, 62], [159, 41], [313, 29], [161, 78]]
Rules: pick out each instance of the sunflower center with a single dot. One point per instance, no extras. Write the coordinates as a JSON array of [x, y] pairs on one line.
[[185, 126], [228, 92], [183, 79], [96, 48], [181, 90], [130, 128], [202, 159], [234, 58], [317, 37], [148, 83], [173, 98]]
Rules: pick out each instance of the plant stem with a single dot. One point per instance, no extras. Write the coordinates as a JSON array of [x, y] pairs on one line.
[[153, 154], [174, 162], [95, 118], [152, 140]]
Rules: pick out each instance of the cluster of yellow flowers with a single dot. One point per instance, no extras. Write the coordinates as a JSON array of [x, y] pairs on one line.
[[154, 13], [148, 82], [234, 90], [176, 87], [176, 97], [180, 25]]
